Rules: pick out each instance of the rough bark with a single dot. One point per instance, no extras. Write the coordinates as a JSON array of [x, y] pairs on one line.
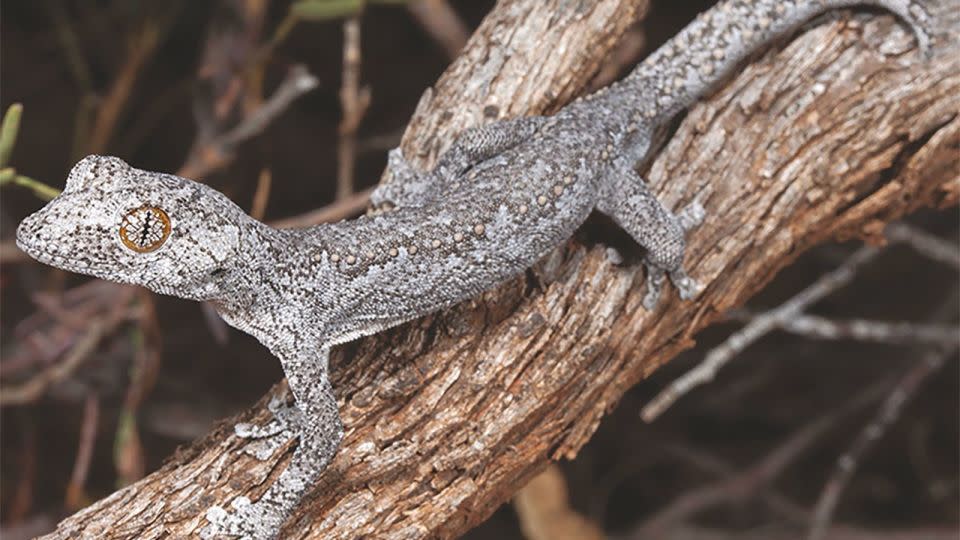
[[838, 133]]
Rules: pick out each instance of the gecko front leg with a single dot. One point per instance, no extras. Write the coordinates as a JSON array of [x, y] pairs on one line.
[[408, 186], [626, 198], [320, 432]]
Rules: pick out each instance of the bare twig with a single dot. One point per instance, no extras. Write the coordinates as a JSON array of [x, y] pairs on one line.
[[776, 502], [142, 44], [76, 498], [21, 501], [543, 508], [11, 254], [33, 388], [628, 51], [863, 330], [262, 195], [107, 309], [746, 484], [354, 102], [932, 360], [443, 24], [343, 209], [220, 150], [760, 326], [926, 244], [887, 415]]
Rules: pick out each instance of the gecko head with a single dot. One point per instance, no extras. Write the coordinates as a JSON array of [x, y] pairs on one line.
[[115, 222]]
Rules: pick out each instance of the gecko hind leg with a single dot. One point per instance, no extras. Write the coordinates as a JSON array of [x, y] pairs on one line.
[[627, 200]]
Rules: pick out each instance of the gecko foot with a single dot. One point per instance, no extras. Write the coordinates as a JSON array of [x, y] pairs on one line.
[[655, 278], [284, 426], [245, 521], [687, 287], [691, 216]]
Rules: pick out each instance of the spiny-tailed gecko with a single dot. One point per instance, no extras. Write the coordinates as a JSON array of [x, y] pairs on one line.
[[499, 199]]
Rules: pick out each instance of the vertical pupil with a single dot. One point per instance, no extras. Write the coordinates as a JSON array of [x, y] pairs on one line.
[[144, 233]]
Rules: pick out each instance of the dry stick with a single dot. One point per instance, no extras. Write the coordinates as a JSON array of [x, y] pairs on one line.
[[774, 501], [745, 484], [628, 51], [34, 387], [81, 464], [262, 195], [96, 329], [351, 206], [759, 327], [19, 504], [816, 327], [886, 416], [443, 24], [140, 49], [354, 102], [544, 511], [220, 149], [926, 244]]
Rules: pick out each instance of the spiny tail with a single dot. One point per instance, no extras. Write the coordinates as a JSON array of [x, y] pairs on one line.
[[710, 48]]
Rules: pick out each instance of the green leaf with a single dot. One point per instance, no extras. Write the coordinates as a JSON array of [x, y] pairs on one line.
[[321, 10], [8, 132]]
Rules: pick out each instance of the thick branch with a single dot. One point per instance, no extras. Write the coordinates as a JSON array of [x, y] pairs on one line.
[[447, 416]]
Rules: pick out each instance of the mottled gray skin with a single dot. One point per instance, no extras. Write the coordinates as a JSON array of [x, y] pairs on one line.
[[498, 200]]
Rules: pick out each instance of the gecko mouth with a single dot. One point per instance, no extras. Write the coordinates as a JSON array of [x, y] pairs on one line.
[[30, 242]]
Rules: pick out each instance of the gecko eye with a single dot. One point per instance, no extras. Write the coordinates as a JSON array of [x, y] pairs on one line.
[[145, 229]]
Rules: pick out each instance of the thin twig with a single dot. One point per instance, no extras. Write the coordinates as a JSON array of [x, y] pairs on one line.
[[628, 51], [354, 102], [901, 332], [75, 498], [760, 326], [926, 244], [747, 483], [33, 388], [351, 206], [262, 195], [933, 359], [219, 151], [443, 24], [776, 502], [544, 511], [142, 44], [887, 415]]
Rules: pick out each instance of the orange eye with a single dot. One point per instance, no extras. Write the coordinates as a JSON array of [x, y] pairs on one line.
[[145, 229]]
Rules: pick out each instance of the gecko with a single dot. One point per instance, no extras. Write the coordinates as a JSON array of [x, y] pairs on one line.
[[500, 198]]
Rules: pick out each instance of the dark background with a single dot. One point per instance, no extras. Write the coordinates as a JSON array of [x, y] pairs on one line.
[[629, 471]]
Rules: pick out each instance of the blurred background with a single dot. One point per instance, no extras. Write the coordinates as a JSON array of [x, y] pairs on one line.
[[289, 108]]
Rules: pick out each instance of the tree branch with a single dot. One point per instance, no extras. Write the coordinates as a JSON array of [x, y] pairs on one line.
[[449, 415]]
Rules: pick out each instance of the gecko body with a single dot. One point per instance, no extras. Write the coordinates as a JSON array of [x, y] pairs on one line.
[[499, 199]]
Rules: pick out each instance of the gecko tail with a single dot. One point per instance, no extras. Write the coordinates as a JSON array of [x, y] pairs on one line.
[[709, 49]]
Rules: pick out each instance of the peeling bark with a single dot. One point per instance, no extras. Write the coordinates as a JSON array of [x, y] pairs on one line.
[[838, 133]]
